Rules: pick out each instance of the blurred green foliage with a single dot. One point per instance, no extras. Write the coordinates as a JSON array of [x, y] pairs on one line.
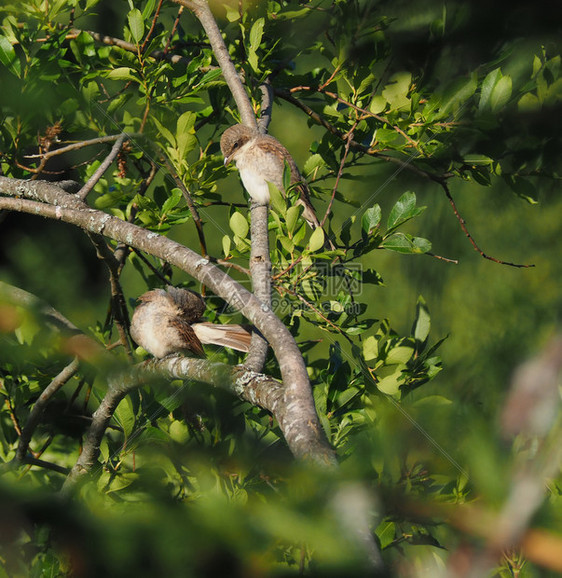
[[415, 99]]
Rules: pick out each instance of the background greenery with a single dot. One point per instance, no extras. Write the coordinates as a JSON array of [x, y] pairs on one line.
[[190, 497]]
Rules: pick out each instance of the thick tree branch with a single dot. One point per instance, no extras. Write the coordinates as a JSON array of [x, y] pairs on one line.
[[266, 107], [35, 416], [258, 389], [304, 434], [260, 268], [118, 389]]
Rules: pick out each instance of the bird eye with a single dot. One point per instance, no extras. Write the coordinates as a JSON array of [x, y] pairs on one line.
[[236, 145]]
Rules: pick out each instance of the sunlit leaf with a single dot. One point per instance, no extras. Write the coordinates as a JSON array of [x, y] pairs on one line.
[[136, 24], [316, 241], [370, 348], [422, 324], [239, 224]]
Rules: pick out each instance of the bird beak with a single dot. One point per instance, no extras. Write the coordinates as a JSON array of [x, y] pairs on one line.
[[227, 160]]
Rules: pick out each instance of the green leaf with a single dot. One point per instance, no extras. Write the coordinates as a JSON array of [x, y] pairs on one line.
[[277, 200], [391, 383], [164, 132], [316, 241], [172, 201], [226, 244], [422, 324], [529, 103], [386, 533], [239, 225], [186, 122], [400, 354], [404, 210], [148, 9], [487, 87], [371, 219], [501, 93], [396, 91], [179, 432], [286, 176], [256, 34], [458, 93], [313, 163], [136, 24], [8, 57], [122, 73], [232, 13], [432, 401], [523, 187], [370, 348], [186, 139], [286, 243], [292, 14], [402, 243], [208, 77], [125, 415], [292, 217], [378, 104]]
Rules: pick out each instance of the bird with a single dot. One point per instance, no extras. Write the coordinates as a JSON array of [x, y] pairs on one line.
[[170, 321], [260, 159]]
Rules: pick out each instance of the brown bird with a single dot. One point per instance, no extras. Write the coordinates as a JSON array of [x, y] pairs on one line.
[[261, 158], [170, 321]]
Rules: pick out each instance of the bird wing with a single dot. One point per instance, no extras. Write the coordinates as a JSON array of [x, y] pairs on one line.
[[189, 338], [233, 336]]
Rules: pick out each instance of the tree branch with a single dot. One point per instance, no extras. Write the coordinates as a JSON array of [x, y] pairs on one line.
[[190, 205], [118, 307], [130, 47], [100, 420], [462, 223], [260, 268], [93, 180], [40, 405], [304, 434]]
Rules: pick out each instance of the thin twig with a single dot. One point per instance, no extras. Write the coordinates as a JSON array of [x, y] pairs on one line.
[[281, 289], [462, 223], [408, 165], [79, 145], [154, 270], [47, 465], [122, 250], [118, 306], [190, 204], [446, 259], [173, 31], [152, 26], [130, 47], [364, 111], [93, 180], [348, 140]]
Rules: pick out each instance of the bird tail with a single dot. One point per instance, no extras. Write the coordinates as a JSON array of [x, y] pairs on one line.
[[234, 336]]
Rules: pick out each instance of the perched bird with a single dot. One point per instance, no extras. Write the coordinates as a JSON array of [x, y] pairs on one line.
[[261, 158], [170, 321]]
